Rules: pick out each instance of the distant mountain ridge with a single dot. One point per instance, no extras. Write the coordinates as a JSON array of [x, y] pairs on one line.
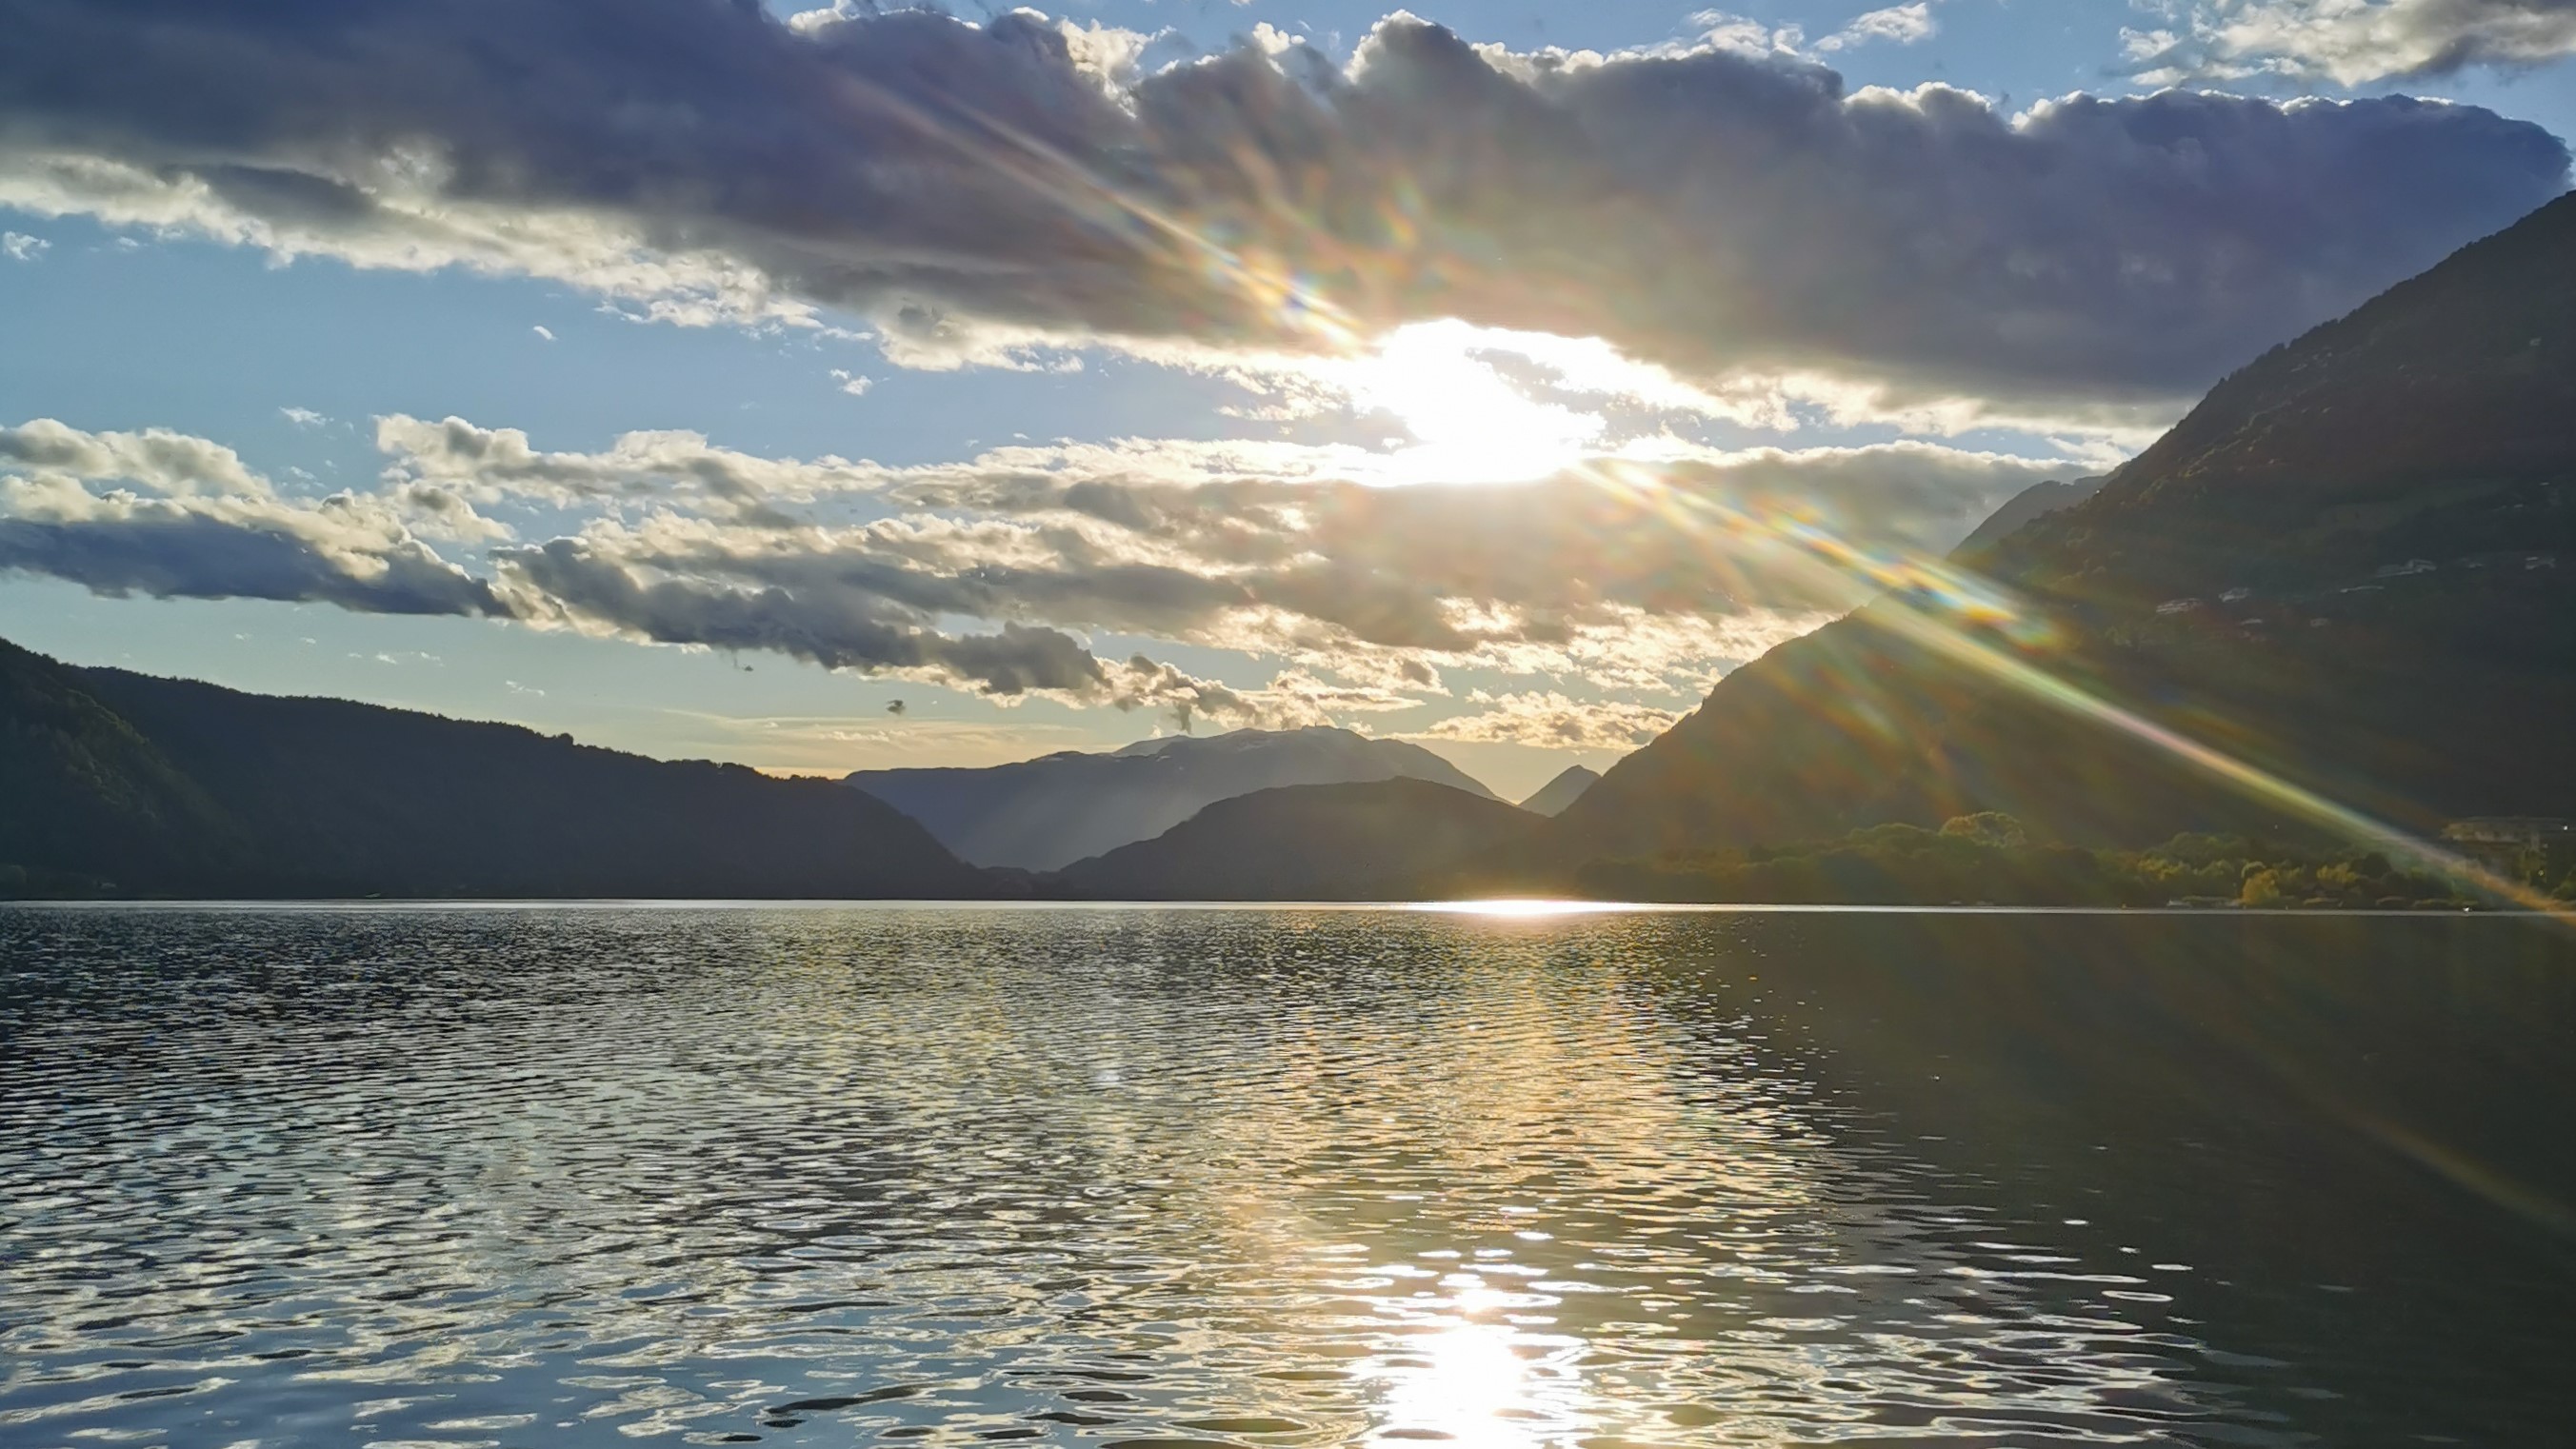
[[1047, 813], [1568, 787], [2021, 508], [2352, 566], [1391, 839], [114, 782]]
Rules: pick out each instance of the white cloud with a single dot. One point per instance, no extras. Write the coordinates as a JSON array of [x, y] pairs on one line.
[[17, 246], [1727, 30], [304, 418], [156, 459], [855, 384], [1553, 721], [2347, 42], [205, 527], [543, 332], [1632, 580], [1895, 25], [487, 465]]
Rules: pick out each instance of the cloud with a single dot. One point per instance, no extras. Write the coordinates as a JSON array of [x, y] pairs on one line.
[[582, 584], [1896, 25], [1370, 592], [490, 464], [544, 333], [834, 743], [1006, 574], [304, 418], [155, 459], [980, 191], [1726, 30], [1553, 721], [206, 530], [2349, 42], [17, 246], [855, 384]]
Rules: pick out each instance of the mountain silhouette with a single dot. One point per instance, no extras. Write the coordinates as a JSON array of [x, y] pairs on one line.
[[2352, 566], [112, 782], [1568, 787], [2021, 508], [1049, 812], [1372, 840]]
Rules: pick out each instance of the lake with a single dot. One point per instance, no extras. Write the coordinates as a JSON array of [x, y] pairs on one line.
[[1165, 1178]]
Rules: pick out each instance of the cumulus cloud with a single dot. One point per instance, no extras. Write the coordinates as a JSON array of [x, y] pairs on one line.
[[155, 459], [1369, 592], [1895, 25], [17, 246], [1554, 721], [188, 521], [179, 517], [489, 464], [579, 584], [982, 190], [1642, 575], [2349, 42]]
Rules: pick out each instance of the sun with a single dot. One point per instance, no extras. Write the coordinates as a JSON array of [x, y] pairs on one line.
[[1469, 423]]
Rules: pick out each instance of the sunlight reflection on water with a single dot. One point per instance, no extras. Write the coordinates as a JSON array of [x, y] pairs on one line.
[[1528, 908], [1149, 1178]]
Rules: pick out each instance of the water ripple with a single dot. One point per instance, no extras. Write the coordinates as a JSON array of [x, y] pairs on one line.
[[1147, 1180]]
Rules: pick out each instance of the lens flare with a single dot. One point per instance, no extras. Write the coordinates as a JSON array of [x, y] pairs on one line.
[[1470, 424], [1970, 621], [1485, 424]]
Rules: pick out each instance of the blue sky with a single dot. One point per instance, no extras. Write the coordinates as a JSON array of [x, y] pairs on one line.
[[995, 488]]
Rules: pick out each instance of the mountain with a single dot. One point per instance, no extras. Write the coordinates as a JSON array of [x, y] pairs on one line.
[[2024, 506], [1046, 813], [1564, 790], [83, 795], [2353, 566], [1374, 840], [123, 783]]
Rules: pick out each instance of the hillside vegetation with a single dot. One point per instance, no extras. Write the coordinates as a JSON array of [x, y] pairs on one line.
[[2353, 566], [119, 783], [1373, 840]]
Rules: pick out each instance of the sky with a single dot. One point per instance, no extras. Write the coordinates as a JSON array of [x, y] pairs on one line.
[[857, 387]]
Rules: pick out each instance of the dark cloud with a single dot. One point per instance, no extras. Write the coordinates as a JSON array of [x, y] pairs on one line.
[[844, 627], [1719, 211], [169, 553]]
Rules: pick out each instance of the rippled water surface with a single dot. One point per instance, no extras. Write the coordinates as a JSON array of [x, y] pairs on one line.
[[1173, 1178]]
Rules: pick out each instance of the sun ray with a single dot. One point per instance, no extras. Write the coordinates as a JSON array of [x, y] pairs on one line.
[[1955, 613]]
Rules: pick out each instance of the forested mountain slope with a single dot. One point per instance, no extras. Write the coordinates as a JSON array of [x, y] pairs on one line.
[[123, 783], [2353, 565]]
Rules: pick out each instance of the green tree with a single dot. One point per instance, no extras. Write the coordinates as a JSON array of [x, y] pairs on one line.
[[1988, 827], [2262, 887]]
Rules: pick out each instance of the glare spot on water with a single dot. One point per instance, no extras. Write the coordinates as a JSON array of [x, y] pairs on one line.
[[1465, 1384], [1091, 1176], [1525, 908]]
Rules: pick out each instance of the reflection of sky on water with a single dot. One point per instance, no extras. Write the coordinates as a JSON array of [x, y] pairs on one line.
[[1225, 1178]]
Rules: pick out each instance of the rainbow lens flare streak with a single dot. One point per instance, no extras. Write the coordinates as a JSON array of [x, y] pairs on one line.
[[1945, 609], [1924, 600]]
